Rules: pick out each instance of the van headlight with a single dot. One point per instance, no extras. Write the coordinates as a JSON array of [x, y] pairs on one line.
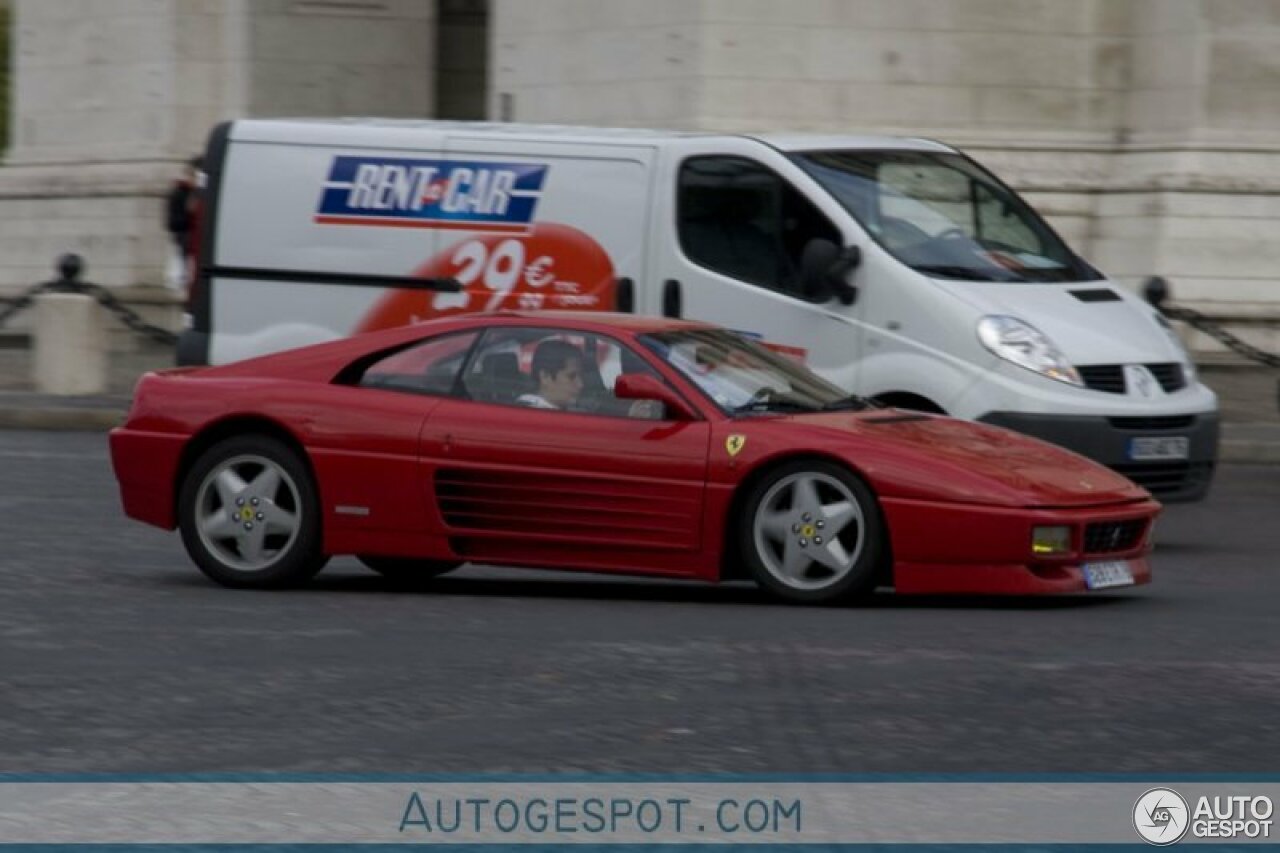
[[1025, 346]]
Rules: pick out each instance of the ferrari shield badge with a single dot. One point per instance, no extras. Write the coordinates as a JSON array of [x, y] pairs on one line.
[[734, 443]]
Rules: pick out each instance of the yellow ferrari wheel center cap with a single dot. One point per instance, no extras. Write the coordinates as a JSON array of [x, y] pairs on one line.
[[808, 531]]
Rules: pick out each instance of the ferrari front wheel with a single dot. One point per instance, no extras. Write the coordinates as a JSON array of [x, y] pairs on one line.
[[249, 514], [407, 570], [813, 533]]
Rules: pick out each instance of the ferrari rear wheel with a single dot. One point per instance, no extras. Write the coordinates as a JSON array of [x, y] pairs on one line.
[[407, 570], [813, 533], [249, 514]]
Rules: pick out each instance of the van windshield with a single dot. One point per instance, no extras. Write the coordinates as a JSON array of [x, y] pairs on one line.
[[945, 216]]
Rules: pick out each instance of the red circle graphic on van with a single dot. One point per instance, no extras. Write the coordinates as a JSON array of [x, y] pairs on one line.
[[551, 266]]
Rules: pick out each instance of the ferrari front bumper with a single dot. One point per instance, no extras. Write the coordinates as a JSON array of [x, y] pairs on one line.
[[941, 548]]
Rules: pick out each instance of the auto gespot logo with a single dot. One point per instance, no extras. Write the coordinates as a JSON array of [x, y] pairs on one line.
[[444, 194]]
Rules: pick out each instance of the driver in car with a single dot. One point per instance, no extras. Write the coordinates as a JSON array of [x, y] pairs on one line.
[[557, 367]]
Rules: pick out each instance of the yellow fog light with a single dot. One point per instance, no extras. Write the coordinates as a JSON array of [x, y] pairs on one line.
[[1049, 541]]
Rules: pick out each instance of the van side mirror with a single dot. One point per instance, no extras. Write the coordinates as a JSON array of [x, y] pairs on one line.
[[824, 271], [642, 386]]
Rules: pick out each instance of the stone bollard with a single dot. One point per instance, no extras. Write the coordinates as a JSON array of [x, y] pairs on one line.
[[70, 353]]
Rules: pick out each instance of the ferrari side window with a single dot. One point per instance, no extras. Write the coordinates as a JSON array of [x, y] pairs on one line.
[[554, 369], [427, 367]]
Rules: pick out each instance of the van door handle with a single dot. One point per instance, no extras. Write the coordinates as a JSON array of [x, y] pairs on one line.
[[671, 298], [624, 298]]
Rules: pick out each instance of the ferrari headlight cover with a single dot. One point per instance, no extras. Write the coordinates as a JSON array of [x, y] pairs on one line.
[[1051, 541], [1024, 345]]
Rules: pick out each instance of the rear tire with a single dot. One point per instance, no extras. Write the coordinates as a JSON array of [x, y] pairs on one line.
[[812, 533], [250, 516], [408, 570]]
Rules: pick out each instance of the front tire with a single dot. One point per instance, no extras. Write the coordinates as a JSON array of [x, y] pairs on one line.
[[249, 514], [813, 533]]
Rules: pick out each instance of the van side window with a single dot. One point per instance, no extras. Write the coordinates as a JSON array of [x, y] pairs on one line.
[[740, 219], [427, 367]]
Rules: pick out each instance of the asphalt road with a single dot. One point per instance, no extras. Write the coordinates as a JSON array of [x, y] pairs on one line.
[[117, 656]]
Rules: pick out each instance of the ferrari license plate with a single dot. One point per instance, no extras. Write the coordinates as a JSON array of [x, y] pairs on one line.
[[1158, 447], [1107, 574]]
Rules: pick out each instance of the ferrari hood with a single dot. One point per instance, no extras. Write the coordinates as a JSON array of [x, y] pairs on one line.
[[908, 454], [1091, 322]]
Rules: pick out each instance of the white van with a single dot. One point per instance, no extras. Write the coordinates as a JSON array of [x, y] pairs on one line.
[[898, 268]]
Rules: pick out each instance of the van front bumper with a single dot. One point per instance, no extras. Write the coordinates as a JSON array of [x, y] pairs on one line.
[[1106, 439]]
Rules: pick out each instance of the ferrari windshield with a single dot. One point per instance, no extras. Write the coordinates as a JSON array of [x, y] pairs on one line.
[[945, 216], [743, 377]]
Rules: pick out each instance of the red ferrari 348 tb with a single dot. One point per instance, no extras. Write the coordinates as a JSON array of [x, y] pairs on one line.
[[608, 443]]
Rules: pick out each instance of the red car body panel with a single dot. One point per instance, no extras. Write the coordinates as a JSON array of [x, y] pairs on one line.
[[437, 477]]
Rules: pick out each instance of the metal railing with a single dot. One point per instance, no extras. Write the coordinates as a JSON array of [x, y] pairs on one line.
[[70, 267], [1156, 291]]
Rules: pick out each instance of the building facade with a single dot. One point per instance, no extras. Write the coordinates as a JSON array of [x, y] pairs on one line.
[[1148, 131]]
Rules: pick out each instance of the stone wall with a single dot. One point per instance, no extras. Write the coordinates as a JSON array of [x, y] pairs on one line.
[[111, 97], [342, 58], [1148, 131], [607, 62]]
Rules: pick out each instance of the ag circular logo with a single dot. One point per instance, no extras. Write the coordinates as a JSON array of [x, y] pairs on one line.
[[1161, 816]]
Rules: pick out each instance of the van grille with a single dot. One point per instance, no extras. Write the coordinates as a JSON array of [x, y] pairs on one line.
[[1104, 537], [1166, 477], [1110, 377], [1170, 376], [1154, 422], [1103, 377]]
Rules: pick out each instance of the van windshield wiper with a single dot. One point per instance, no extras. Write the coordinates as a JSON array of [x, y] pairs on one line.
[[852, 403], [955, 271], [772, 405]]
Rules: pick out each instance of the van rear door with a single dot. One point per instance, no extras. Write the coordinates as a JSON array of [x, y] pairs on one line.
[[314, 225]]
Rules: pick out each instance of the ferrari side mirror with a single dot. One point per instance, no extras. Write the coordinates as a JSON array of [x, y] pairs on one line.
[[642, 386]]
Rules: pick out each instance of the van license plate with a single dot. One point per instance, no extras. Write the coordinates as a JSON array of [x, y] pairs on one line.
[[1148, 448], [1110, 573]]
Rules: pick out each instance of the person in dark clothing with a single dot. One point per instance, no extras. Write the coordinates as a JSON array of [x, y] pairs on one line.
[[180, 221]]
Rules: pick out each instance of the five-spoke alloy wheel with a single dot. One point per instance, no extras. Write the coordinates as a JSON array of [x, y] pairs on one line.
[[249, 514], [812, 532]]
